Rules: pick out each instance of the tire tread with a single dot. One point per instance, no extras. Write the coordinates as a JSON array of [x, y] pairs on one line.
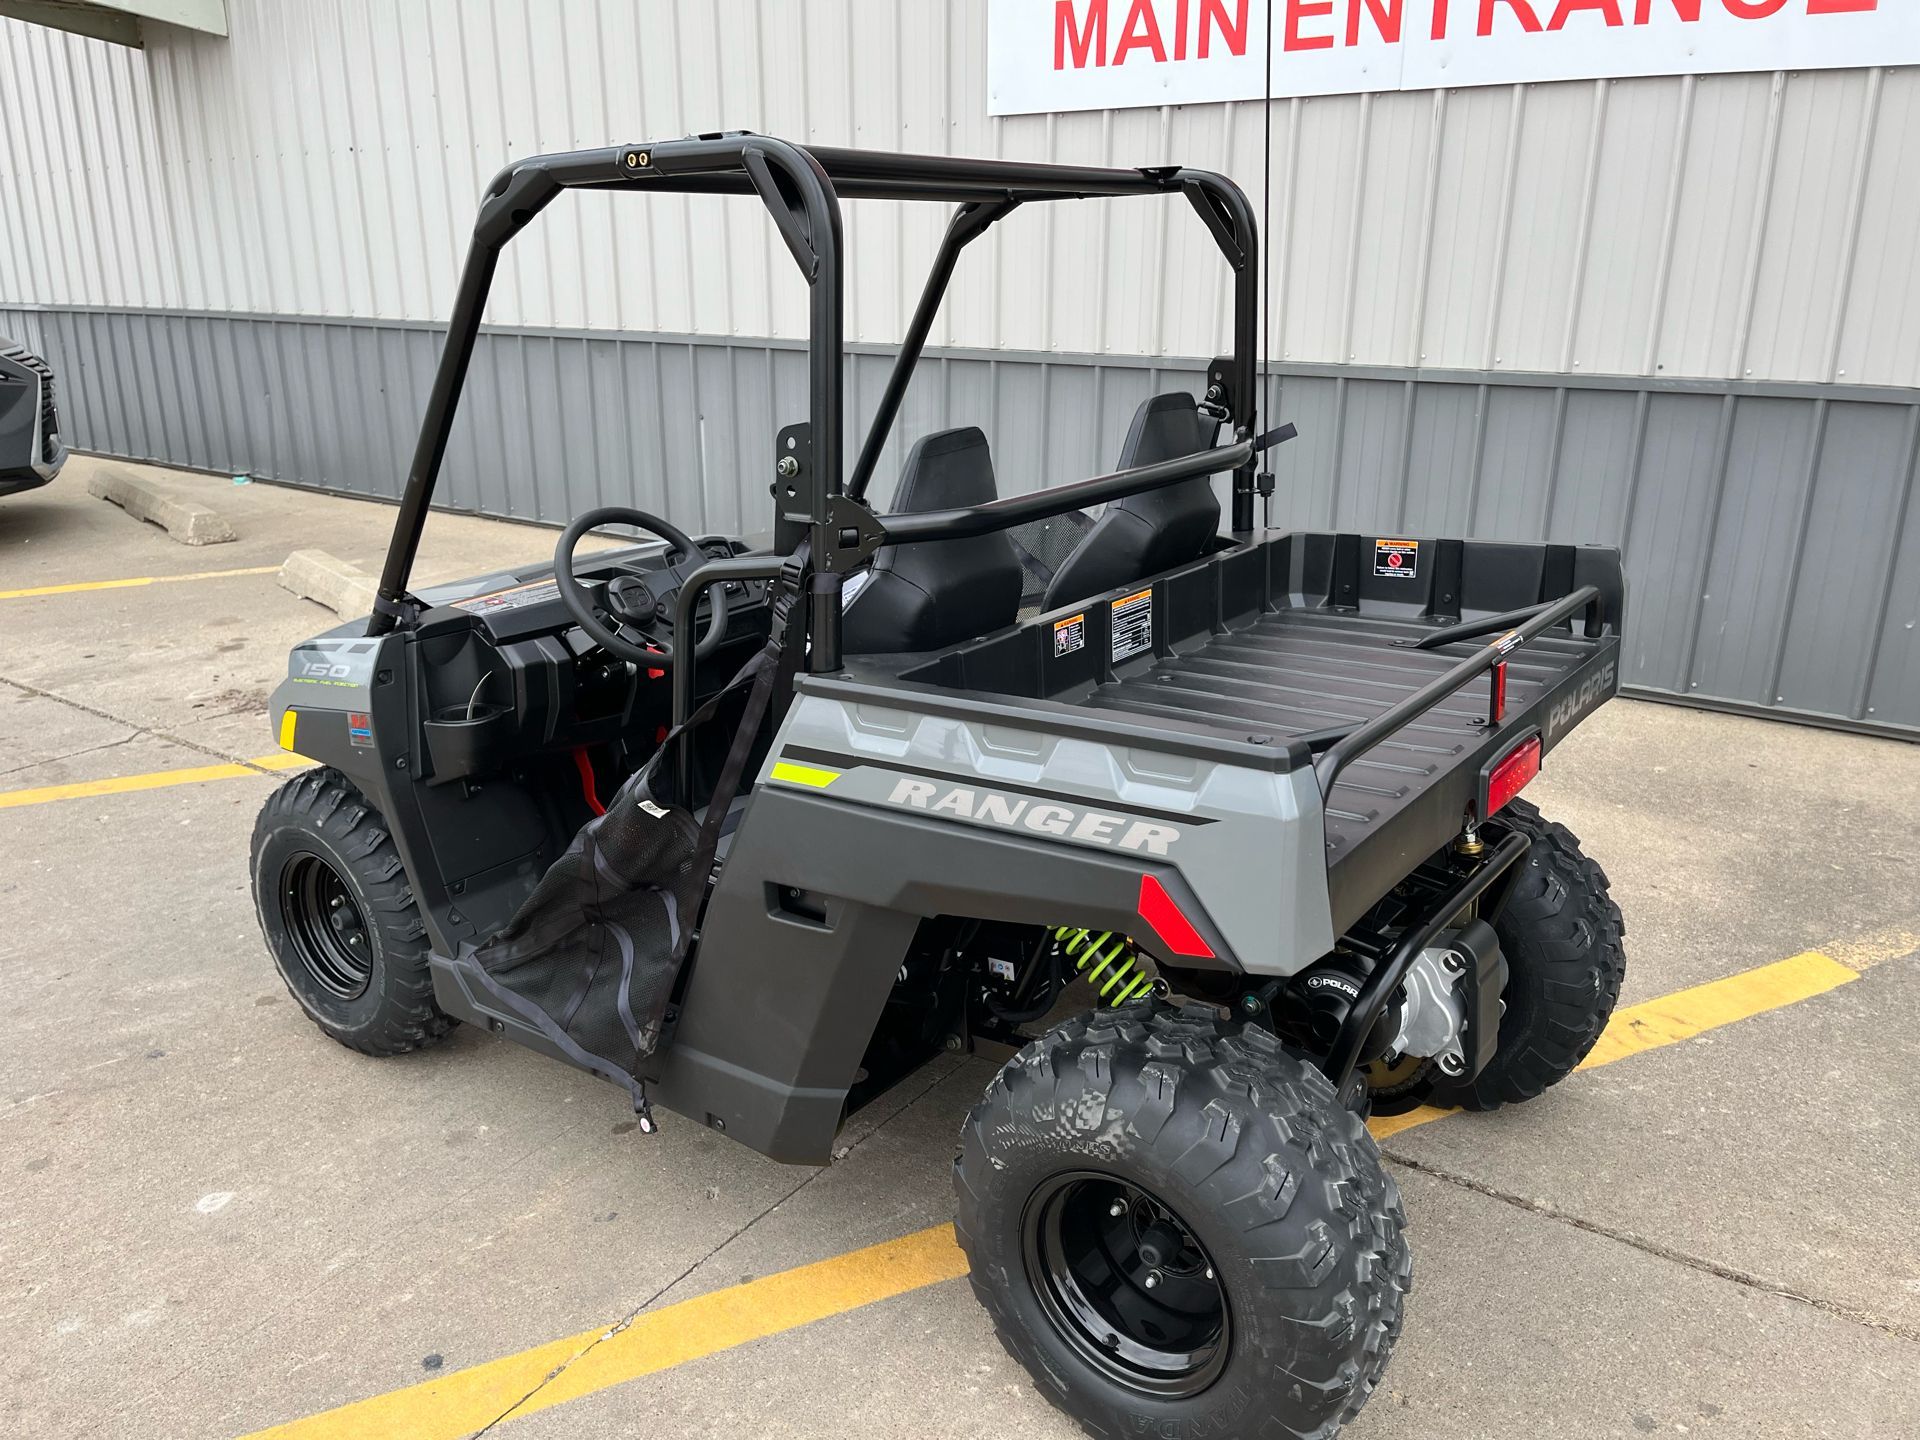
[[325, 803], [1258, 1134], [1562, 935]]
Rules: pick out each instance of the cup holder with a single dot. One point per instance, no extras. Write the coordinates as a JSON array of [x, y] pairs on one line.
[[468, 739]]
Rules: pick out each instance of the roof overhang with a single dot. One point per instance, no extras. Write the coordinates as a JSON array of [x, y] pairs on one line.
[[124, 23]]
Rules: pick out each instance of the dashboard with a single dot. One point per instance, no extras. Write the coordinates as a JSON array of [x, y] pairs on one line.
[[504, 672]]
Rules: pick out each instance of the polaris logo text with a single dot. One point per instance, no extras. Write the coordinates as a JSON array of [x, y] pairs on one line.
[[1014, 813], [1593, 689]]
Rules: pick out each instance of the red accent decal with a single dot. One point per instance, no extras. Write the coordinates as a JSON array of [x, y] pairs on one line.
[[1163, 917]]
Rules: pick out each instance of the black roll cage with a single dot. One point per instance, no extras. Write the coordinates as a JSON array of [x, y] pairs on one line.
[[801, 188]]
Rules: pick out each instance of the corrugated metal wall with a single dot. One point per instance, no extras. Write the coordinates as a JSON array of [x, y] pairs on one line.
[[325, 161], [1772, 547], [238, 250]]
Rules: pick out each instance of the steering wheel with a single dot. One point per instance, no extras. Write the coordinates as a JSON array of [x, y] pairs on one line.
[[637, 599]]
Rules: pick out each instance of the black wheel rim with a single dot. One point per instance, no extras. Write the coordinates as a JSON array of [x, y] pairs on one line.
[[1123, 1279], [325, 927]]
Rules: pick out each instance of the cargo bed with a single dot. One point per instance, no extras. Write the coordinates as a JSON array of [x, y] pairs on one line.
[[1305, 649]]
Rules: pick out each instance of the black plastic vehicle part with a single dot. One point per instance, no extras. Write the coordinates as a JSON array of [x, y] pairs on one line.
[[1536, 621], [1483, 982], [801, 189], [682, 552]]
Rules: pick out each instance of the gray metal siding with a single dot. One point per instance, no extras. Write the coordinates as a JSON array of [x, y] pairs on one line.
[[1770, 534], [325, 160]]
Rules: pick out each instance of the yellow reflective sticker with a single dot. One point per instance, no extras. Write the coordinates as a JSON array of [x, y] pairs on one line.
[[804, 774], [286, 728]]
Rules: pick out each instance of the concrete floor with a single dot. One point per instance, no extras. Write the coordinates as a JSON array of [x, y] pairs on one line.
[[212, 1219]]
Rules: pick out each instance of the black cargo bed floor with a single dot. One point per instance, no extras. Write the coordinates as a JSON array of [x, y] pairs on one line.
[[1295, 672]]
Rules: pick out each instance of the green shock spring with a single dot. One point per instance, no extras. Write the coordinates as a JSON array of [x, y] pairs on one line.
[[1108, 961]]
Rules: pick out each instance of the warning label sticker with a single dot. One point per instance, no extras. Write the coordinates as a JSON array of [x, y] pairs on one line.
[[1132, 625], [359, 729], [1398, 559], [537, 593], [1069, 635]]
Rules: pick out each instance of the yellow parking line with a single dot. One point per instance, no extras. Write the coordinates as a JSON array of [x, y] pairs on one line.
[[472, 1399], [154, 780], [1681, 1016], [133, 583]]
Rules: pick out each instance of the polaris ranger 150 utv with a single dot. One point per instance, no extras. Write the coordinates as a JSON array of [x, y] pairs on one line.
[[754, 827]]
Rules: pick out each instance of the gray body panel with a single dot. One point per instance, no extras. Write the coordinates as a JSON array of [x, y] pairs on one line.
[[1249, 843]]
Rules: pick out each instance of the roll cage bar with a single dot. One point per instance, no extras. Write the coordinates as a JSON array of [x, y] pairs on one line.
[[816, 501]]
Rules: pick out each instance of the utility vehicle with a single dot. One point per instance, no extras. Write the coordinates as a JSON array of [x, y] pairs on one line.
[[1211, 836], [30, 450]]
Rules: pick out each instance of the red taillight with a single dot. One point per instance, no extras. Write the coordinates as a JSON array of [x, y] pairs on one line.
[[1163, 917], [1511, 773]]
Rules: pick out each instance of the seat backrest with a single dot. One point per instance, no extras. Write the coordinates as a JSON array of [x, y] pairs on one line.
[[937, 592], [1145, 534]]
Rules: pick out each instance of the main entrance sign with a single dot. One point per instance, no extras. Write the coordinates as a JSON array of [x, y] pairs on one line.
[[1046, 55]]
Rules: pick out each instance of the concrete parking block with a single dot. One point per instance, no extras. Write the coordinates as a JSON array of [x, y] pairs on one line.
[[341, 586], [187, 521]]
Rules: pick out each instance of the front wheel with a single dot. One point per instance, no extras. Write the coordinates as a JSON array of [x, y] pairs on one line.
[[340, 919], [1178, 1229]]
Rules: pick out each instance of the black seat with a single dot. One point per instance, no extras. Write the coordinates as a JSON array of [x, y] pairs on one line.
[[1143, 535], [936, 592]]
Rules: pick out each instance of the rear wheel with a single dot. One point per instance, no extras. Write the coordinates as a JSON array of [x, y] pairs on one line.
[[1177, 1229], [340, 918], [1561, 936]]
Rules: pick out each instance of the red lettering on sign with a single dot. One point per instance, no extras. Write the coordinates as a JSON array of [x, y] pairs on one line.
[[1213, 16], [1141, 32], [1687, 10], [1298, 10], [1083, 40], [1386, 19], [1522, 11], [1609, 11], [1081, 28]]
